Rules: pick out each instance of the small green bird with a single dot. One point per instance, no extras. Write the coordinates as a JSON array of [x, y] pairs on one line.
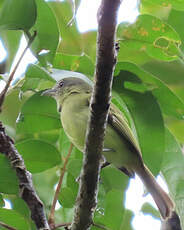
[[120, 146]]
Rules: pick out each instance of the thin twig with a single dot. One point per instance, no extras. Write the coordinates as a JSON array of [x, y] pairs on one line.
[[63, 170], [3, 93], [100, 103], [26, 188], [61, 225], [100, 226], [7, 226]]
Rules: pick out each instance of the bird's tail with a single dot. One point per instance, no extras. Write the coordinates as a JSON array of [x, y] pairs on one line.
[[161, 198]]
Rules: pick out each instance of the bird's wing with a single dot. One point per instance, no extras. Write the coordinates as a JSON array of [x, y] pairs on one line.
[[119, 122]]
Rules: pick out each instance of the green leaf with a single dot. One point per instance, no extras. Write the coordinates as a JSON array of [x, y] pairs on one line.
[[74, 167], [150, 34], [168, 72], [175, 19], [18, 15], [13, 219], [72, 184], [2, 203], [47, 37], [173, 171], [114, 201], [11, 40], [8, 178], [38, 114], [112, 178], [127, 221], [169, 102], [147, 118], [38, 155], [71, 39], [176, 4], [67, 197], [19, 205], [37, 78], [147, 208], [35, 71], [45, 185], [11, 108], [82, 64]]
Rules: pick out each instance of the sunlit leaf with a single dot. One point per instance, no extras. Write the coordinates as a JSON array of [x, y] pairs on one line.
[[47, 37], [176, 4], [150, 34]]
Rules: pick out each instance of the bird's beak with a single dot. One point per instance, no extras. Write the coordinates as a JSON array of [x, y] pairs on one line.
[[49, 92]]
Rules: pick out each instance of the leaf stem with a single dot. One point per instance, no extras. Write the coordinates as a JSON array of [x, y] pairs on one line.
[[63, 170], [100, 226], [7, 226]]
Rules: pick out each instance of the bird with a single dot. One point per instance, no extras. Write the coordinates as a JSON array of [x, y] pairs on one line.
[[121, 147]]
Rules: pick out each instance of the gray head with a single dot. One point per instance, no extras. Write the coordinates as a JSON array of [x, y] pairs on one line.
[[66, 86]]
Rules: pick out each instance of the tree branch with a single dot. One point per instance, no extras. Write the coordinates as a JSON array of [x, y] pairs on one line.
[[27, 191], [100, 102]]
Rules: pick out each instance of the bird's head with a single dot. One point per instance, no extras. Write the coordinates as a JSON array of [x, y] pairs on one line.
[[67, 86]]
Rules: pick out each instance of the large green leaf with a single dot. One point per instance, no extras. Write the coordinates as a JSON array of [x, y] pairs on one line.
[[169, 102], [82, 64], [150, 34], [37, 78], [38, 114], [38, 155], [112, 178], [11, 40], [13, 219], [175, 19], [147, 118], [67, 197], [169, 72], [45, 185], [71, 41], [2, 203], [11, 108], [114, 201], [47, 37], [8, 178], [176, 4], [173, 171], [18, 15]]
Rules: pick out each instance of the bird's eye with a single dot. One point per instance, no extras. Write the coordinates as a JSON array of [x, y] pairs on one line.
[[61, 83]]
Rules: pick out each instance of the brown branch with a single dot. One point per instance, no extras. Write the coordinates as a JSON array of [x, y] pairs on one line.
[[27, 191], [3, 93], [61, 225], [63, 170], [7, 226], [100, 102]]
